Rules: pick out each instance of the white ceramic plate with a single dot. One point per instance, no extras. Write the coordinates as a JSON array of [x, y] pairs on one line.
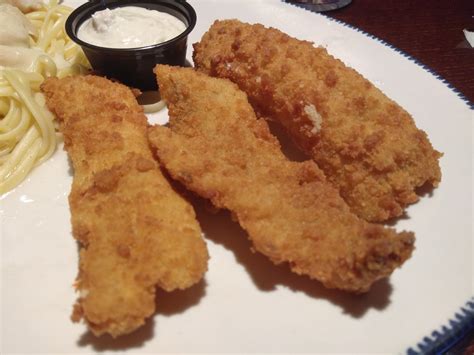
[[246, 304]]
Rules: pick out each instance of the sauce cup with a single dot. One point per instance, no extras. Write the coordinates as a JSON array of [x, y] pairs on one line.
[[134, 66]]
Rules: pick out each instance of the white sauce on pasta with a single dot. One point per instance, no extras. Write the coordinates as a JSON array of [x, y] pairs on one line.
[[129, 27], [32, 47], [18, 57], [24, 5], [15, 28]]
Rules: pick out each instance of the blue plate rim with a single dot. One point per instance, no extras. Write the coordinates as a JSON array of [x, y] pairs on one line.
[[396, 49], [462, 322]]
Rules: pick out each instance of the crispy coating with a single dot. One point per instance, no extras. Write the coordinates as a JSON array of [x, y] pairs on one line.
[[366, 144], [135, 231], [217, 148]]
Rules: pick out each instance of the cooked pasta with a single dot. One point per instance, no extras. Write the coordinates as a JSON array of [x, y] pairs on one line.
[[27, 133], [53, 40]]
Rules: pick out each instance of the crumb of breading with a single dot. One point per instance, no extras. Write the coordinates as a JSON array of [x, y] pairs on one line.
[[314, 117]]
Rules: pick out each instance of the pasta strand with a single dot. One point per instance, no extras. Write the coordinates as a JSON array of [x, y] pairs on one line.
[[27, 128]]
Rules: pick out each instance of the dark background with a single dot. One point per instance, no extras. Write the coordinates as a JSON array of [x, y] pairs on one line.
[[428, 30]]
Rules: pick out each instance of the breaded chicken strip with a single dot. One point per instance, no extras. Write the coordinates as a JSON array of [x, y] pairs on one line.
[[217, 148], [135, 231], [367, 145]]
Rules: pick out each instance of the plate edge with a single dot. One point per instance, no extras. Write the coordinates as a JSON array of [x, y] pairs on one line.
[[423, 66], [438, 342], [455, 329]]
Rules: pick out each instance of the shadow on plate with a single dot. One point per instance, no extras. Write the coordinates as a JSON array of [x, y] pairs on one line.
[[170, 303], [424, 191], [167, 304], [134, 340], [219, 227], [392, 222]]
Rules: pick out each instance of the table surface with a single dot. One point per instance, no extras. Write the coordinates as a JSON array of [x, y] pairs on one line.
[[430, 31]]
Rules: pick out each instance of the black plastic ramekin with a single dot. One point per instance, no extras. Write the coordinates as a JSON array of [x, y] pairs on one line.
[[134, 66]]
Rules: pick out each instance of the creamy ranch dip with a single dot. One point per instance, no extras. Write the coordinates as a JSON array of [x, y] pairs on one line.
[[129, 27]]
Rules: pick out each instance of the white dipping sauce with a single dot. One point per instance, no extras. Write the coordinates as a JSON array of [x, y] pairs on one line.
[[129, 27]]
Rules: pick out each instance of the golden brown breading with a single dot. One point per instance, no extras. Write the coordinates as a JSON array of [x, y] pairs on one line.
[[136, 232], [367, 145], [217, 148]]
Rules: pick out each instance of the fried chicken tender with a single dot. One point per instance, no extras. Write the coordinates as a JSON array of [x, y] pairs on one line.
[[218, 149], [366, 144], [135, 231]]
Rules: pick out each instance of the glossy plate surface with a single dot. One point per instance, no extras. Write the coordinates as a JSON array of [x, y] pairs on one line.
[[246, 304]]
